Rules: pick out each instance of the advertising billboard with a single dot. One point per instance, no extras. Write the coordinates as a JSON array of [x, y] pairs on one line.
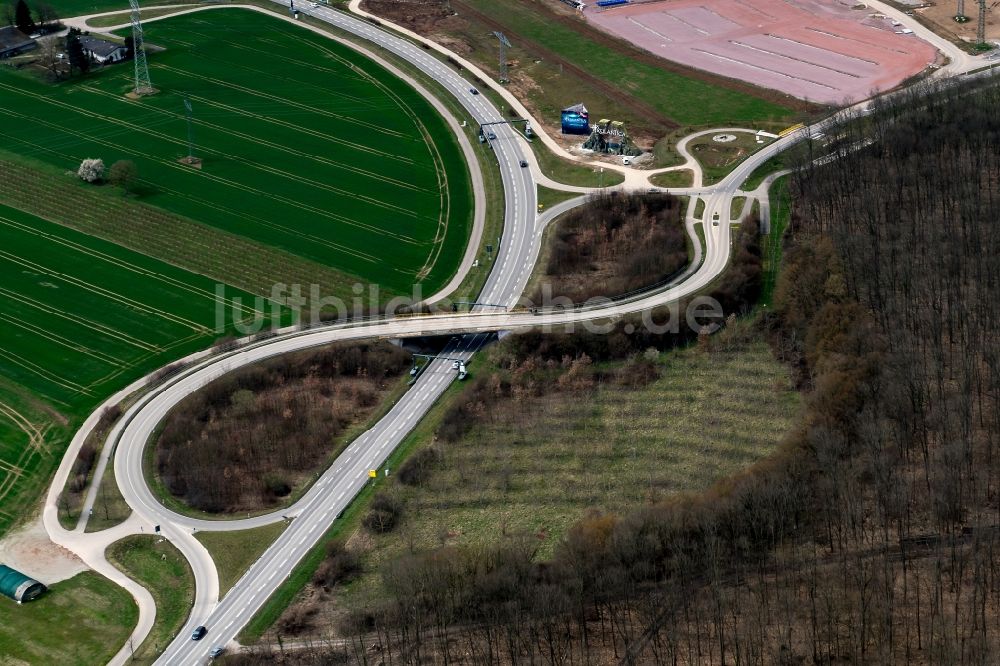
[[575, 120]]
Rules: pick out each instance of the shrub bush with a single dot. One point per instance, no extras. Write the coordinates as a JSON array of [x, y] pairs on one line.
[[384, 514], [338, 566], [419, 467]]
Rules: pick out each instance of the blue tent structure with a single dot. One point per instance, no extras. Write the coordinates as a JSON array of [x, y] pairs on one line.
[[17, 586]]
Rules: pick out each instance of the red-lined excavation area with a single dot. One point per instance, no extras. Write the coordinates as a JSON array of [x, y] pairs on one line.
[[820, 50]]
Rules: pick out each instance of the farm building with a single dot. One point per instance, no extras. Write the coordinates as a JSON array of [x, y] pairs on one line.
[[17, 586], [102, 51], [13, 42]]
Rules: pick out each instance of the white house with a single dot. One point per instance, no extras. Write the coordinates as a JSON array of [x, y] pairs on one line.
[[102, 51]]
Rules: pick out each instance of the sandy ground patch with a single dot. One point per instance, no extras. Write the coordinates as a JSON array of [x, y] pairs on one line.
[[29, 550], [939, 15]]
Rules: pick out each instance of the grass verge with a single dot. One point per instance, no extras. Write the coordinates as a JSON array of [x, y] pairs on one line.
[[571, 173], [157, 565], [680, 178], [781, 212], [699, 230], [736, 207], [776, 163], [110, 508], [125, 17], [547, 197], [234, 552]]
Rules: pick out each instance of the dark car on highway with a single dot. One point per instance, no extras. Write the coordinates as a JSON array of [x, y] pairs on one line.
[[199, 633]]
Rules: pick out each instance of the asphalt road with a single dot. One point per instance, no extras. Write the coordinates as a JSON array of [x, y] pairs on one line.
[[333, 491]]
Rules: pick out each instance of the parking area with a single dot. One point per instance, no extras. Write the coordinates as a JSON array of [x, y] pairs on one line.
[[822, 51]]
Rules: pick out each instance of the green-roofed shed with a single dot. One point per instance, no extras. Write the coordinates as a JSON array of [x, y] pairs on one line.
[[17, 586]]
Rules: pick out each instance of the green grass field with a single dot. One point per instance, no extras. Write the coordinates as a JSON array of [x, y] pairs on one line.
[[307, 147], [67, 8], [79, 314], [32, 437], [47, 192], [53, 630], [80, 318], [158, 566], [234, 552]]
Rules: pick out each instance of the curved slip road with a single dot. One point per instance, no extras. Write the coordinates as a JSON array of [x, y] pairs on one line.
[[313, 514], [333, 491]]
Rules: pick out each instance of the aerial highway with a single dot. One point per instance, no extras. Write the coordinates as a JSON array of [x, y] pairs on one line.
[[310, 517], [333, 491]]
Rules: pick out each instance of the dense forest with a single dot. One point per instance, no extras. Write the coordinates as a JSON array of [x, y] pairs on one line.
[[872, 537], [250, 438], [615, 244]]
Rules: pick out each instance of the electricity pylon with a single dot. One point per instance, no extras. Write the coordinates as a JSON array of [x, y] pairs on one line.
[[981, 29], [143, 86], [504, 45]]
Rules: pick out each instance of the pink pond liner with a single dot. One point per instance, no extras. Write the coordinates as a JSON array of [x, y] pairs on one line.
[[819, 50]]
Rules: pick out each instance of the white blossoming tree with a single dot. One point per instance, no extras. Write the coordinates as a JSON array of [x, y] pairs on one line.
[[91, 170]]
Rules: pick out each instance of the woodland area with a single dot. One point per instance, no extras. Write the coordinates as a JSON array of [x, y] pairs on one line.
[[615, 244], [872, 537], [252, 437]]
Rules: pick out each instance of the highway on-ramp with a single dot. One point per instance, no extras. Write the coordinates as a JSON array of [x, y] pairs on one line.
[[312, 515], [334, 490], [316, 511]]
